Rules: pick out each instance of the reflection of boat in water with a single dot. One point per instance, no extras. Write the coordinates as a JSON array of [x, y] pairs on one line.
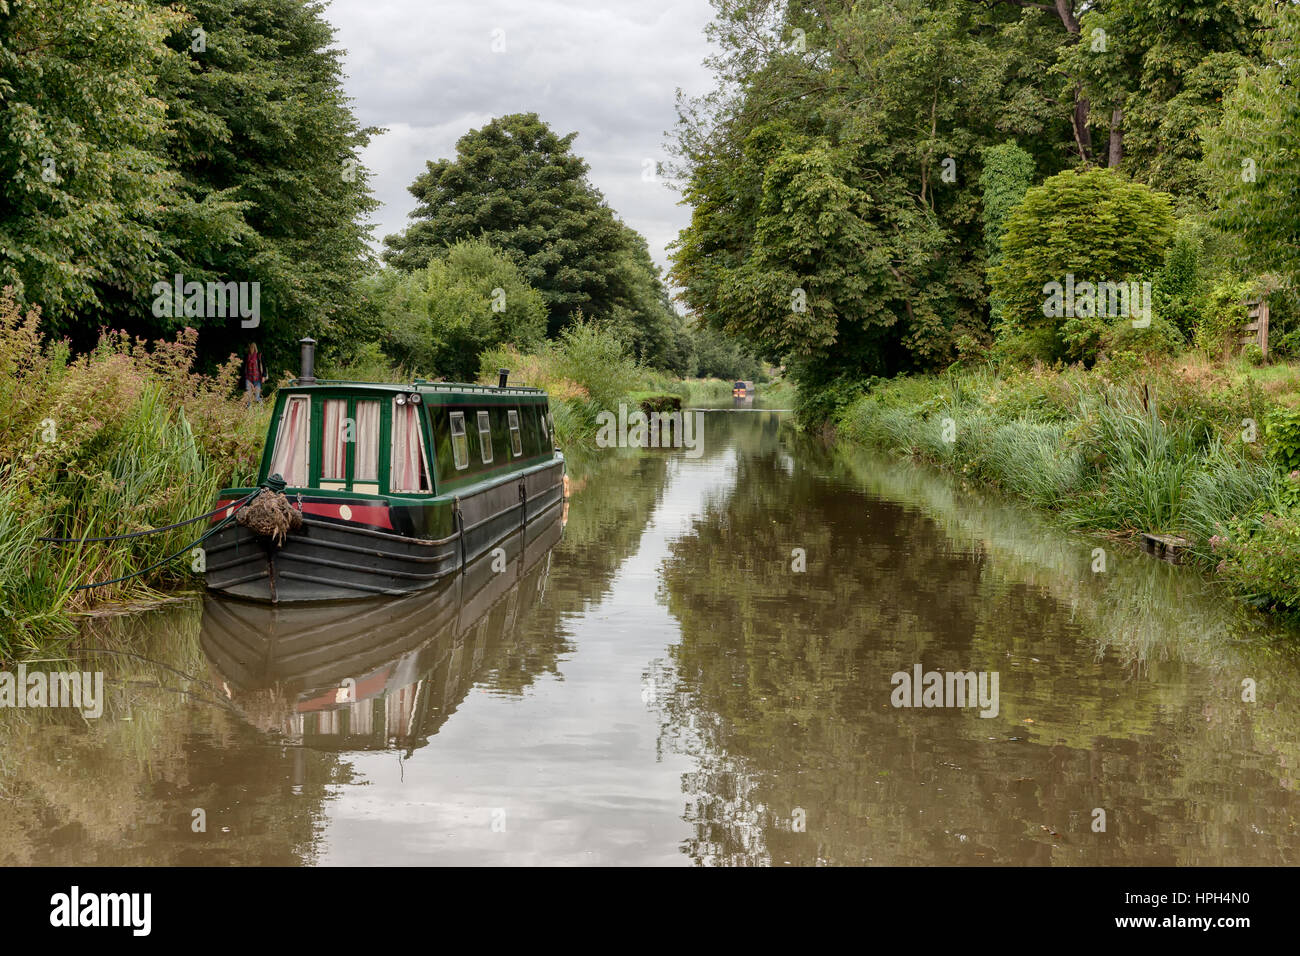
[[369, 675]]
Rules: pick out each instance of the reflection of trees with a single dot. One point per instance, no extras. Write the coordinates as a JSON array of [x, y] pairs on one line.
[[1112, 695], [120, 790]]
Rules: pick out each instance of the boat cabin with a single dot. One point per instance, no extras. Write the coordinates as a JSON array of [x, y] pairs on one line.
[[422, 439]]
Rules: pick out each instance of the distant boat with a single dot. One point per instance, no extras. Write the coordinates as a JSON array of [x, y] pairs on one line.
[[395, 486], [743, 393]]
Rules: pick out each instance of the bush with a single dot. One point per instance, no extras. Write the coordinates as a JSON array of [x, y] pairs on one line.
[[598, 360], [1223, 315], [123, 439], [438, 321], [1282, 434], [1076, 227]]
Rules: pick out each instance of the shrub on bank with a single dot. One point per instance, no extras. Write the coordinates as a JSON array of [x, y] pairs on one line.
[[125, 438], [588, 369]]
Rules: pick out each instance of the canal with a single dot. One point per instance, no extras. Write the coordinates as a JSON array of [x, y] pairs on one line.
[[695, 664]]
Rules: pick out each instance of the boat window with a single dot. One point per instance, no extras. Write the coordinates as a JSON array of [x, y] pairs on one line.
[[410, 472], [291, 441], [459, 443], [335, 436], [545, 434], [516, 444], [367, 442], [485, 437]]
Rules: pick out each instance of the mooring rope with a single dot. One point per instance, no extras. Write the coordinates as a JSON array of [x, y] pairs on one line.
[[172, 557], [166, 527], [274, 483]]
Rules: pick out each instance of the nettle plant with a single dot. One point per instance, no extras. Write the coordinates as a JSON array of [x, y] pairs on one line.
[[1282, 431]]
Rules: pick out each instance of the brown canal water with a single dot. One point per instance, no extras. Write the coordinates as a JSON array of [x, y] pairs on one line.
[[657, 683]]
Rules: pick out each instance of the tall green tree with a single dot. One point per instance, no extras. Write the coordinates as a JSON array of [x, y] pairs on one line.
[[643, 313], [833, 177], [209, 139], [261, 119], [1251, 158], [87, 204], [1155, 72], [1007, 174], [518, 185]]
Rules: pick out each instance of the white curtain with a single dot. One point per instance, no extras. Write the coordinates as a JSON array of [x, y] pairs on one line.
[[367, 467], [408, 457], [290, 458], [334, 450]]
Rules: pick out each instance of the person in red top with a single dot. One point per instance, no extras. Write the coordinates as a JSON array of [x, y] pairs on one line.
[[254, 373]]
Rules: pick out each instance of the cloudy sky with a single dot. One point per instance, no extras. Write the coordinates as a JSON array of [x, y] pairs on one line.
[[426, 70]]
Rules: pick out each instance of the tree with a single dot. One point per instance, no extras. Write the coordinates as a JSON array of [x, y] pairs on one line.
[[1155, 71], [84, 198], [471, 298], [209, 140], [1075, 230], [721, 356], [1007, 174], [1066, 12], [517, 185], [836, 214], [643, 313], [1250, 158], [261, 119]]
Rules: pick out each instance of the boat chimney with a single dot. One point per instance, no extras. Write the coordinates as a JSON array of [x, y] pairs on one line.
[[502, 375], [307, 371]]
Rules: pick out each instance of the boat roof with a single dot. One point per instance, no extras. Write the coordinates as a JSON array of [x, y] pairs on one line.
[[422, 386]]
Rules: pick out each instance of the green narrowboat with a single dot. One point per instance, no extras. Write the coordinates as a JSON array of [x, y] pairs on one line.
[[394, 487]]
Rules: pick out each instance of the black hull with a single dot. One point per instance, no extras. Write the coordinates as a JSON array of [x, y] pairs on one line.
[[330, 559]]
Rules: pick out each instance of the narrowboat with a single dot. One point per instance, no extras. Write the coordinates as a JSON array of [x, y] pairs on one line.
[[387, 488], [743, 393]]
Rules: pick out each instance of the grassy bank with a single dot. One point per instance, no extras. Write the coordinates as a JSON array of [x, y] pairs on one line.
[[122, 439], [1205, 451]]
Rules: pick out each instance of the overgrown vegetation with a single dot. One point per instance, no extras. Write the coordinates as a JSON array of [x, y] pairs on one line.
[[124, 438], [1187, 448]]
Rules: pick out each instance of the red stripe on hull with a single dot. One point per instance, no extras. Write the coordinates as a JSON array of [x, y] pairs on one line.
[[371, 516]]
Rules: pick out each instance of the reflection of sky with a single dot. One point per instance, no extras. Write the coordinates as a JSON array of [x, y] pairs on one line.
[[574, 762]]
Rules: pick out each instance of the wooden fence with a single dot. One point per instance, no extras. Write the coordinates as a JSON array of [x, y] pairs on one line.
[[1256, 329]]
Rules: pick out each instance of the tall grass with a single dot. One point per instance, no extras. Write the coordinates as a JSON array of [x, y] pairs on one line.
[[123, 439], [1145, 464], [1103, 455]]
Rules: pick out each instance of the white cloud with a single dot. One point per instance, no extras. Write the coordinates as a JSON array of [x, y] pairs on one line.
[[607, 69]]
